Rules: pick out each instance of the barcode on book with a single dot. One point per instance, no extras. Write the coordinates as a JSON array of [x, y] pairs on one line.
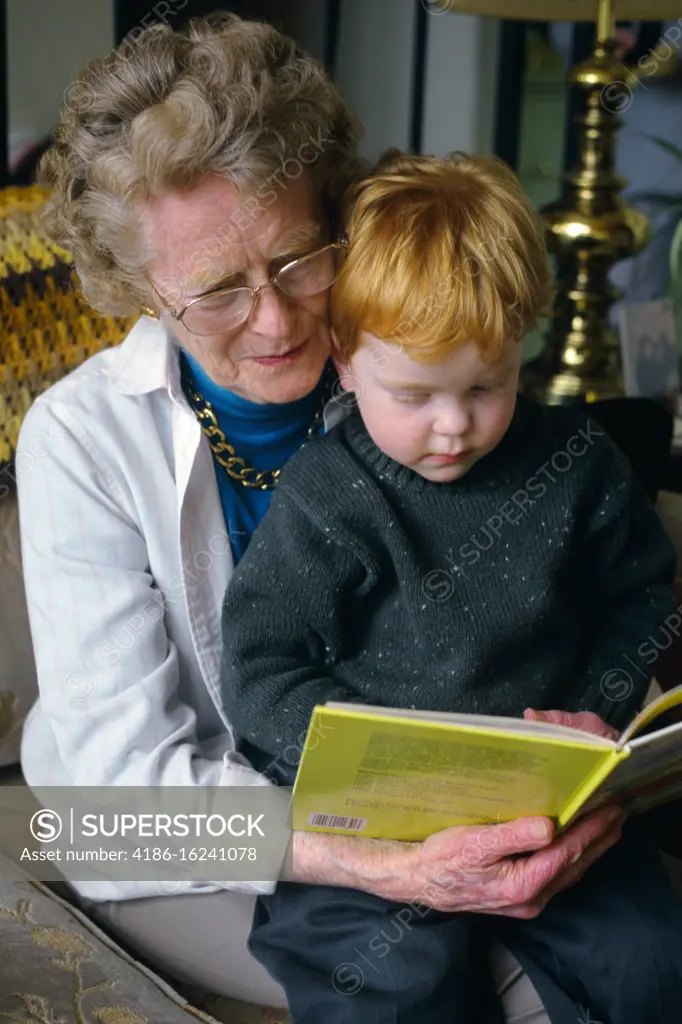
[[337, 821]]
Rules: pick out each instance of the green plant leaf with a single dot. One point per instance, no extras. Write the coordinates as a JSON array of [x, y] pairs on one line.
[[667, 147], [669, 200], [676, 256]]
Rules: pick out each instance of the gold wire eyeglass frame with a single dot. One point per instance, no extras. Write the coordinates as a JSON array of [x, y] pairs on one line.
[[273, 282]]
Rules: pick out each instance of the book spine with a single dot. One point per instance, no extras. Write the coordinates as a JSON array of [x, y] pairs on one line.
[[591, 784]]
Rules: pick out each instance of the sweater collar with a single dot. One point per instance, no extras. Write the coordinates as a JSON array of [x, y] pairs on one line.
[[498, 462]]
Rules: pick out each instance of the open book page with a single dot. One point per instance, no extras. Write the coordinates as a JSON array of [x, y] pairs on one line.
[[649, 775], [667, 701]]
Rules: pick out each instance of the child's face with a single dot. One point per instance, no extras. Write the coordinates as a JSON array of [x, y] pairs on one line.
[[440, 418]]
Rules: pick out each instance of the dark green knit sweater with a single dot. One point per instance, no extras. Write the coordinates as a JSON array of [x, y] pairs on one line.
[[540, 579]]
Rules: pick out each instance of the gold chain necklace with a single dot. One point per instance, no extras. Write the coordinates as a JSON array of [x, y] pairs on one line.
[[223, 451]]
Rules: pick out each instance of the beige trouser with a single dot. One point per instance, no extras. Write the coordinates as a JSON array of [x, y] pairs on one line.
[[201, 941]]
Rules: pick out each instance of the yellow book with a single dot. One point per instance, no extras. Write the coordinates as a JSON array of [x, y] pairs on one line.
[[404, 774]]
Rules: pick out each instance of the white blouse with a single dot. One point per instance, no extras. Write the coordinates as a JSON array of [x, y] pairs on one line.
[[126, 559]]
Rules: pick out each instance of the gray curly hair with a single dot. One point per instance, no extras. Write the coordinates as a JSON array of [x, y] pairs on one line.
[[224, 96]]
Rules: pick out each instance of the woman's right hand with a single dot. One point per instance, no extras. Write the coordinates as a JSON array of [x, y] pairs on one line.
[[477, 869]]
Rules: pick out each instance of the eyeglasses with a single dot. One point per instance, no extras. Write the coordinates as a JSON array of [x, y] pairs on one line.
[[226, 308]]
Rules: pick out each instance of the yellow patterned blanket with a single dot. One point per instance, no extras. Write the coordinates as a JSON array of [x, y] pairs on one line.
[[46, 328]]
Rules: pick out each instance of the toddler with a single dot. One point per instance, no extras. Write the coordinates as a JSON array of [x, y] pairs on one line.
[[452, 546]]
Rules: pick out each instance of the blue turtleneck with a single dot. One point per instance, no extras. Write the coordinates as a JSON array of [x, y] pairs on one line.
[[265, 436]]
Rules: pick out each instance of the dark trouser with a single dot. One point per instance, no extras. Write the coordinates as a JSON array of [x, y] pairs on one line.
[[346, 956], [608, 950]]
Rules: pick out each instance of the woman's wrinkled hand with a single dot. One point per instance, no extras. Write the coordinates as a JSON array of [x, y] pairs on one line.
[[512, 869]]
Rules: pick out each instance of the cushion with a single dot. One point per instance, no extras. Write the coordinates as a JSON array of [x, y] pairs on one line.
[[58, 966], [18, 684]]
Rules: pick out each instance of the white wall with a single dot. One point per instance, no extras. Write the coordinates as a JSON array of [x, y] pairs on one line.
[[47, 40], [374, 67], [376, 72], [461, 84]]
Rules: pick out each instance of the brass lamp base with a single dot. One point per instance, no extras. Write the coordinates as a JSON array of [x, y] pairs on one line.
[[589, 230]]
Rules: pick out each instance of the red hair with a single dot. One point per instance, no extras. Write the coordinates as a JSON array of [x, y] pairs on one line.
[[441, 252]]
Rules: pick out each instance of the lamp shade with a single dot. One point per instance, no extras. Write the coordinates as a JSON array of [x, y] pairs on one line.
[[561, 10]]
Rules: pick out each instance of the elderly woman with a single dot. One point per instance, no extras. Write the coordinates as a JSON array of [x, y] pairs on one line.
[[196, 177]]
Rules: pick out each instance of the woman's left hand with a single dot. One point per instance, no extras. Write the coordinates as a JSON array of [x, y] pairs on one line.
[[585, 720]]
